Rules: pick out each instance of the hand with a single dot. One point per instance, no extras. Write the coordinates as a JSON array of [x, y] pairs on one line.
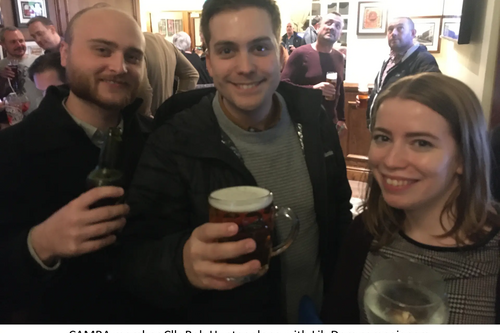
[[204, 255], [327, 88], [7, 73], [358, 102], [341, 128], [75, 229], [292, 48]]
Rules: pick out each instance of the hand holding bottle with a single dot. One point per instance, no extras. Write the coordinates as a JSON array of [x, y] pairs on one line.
[[76, 229]]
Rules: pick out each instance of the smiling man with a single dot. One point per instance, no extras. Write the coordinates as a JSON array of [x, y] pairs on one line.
[[250, 130], [54, 246]]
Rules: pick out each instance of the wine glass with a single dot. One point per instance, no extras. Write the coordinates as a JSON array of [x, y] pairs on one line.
[[405, 292], [13, 108]]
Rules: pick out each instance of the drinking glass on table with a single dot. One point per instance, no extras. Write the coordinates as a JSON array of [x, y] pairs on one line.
[[405, 292]]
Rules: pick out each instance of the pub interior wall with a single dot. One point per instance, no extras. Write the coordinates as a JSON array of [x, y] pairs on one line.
[[473, 63]]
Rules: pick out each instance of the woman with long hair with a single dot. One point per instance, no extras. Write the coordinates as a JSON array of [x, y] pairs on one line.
[[428, 201]]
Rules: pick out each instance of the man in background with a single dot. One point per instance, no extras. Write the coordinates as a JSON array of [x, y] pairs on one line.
[[291, 40], [183, 42], [309, 64], [406, 58], [311, 33], [164, 62], [12, 40], [47, 71], [43, 31]]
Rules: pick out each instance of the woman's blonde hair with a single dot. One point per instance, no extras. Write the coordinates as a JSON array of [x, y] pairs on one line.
[[468, 205]]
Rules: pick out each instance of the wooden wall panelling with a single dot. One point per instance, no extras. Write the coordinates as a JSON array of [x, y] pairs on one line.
[[356, 143]]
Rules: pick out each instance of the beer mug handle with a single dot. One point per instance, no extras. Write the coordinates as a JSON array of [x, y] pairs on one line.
[[294, 230]]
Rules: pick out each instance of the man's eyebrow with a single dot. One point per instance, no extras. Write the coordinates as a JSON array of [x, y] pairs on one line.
[[253, 41], [104, 41], [115, 45]]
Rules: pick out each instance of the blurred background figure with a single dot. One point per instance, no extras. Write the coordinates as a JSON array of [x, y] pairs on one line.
[[164, 62], [311, 33], [291, 40], [47, 71], [183, 42], [43, 31], [14, 68]]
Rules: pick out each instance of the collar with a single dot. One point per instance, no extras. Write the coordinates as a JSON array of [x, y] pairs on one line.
[[51, 117], [400, 57], [271, 120], [93, 133]]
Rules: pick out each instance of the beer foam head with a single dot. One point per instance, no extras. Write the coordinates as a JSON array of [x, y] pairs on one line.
[[240, 199], [331, 76]]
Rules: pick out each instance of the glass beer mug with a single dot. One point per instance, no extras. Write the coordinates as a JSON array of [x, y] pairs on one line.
[[252, 209]]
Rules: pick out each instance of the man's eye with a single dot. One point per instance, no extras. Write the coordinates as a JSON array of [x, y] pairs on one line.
[[225, 50], [261, 48]]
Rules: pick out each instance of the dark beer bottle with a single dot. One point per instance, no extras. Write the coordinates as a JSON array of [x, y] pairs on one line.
[[106, 172]]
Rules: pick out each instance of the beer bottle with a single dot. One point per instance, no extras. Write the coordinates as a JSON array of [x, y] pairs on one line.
[[106, 172]]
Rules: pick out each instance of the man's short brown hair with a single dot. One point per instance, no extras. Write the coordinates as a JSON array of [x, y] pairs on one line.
[[42, 19], [214, 7]]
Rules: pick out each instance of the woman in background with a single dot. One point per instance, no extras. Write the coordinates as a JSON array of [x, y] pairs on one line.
[[428, 201]]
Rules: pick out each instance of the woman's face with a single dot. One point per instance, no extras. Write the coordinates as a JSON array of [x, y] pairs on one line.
[[413, 156]]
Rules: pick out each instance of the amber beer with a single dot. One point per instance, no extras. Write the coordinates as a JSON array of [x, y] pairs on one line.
[[331, 77], [252, 209], [363, 96]]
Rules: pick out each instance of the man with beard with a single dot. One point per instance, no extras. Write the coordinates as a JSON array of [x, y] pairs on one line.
[[406, 58], [12, 40], [308, 65], [55, 249]]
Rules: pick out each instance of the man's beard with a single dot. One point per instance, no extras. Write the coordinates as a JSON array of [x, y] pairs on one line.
[[85, 87]]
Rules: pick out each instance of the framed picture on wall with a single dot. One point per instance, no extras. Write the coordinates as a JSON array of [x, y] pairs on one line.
[[26, 10], [450, 28], [170, 28], [372, 18], [428, 32]]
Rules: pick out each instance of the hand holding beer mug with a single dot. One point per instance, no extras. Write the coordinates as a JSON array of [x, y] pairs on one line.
[[219, 257], [329, 88]]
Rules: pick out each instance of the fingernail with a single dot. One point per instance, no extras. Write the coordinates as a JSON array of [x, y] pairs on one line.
[[250, 246], [232, 228]]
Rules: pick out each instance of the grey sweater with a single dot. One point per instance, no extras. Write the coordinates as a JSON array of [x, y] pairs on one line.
[[276, 160]]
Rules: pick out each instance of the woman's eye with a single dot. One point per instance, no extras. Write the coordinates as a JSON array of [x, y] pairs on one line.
[[380, 138], [423, 143]]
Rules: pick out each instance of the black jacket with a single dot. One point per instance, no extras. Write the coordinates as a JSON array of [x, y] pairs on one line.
[[43, 166], [419, 61], [297, 41], [183, 162]]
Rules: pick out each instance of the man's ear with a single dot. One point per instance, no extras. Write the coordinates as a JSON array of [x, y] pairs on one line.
[[64, 50], [208, 62]]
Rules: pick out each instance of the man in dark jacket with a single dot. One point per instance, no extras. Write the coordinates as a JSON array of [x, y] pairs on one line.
[[249, 130], [54, 249], [406, 58], [291, 40]]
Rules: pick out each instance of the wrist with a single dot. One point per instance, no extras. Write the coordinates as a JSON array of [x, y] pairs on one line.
[[40, 247]]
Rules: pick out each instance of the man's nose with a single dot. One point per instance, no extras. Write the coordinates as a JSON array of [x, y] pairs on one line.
[[117, 63]]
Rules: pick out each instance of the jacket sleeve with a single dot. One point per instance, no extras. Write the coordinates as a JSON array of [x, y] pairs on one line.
[[495, 163], [340, 304], [150, 263], [21, 277], [307, 36], [187, 74], [341, 103]]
